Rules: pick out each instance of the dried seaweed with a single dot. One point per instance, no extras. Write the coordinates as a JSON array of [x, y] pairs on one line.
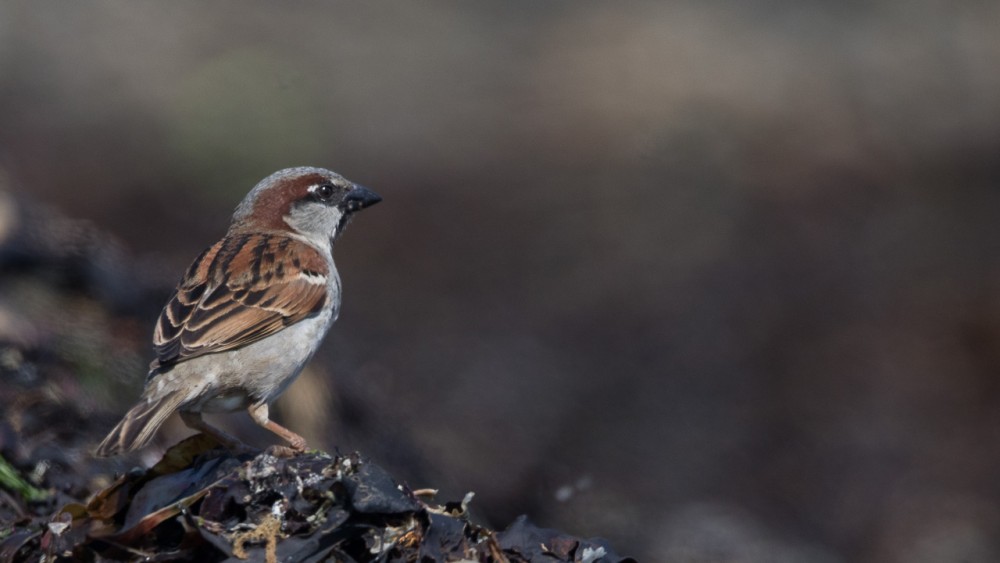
[[203, 503]]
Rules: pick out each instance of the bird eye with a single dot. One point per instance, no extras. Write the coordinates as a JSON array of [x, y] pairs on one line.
[[324, 191]]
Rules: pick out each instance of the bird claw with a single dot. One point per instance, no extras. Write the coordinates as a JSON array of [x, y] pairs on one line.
[[283, 451]]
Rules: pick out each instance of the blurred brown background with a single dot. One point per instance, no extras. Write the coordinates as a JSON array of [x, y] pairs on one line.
[[717, 280]]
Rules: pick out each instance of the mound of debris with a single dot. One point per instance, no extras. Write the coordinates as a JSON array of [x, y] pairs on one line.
[[201, 503]]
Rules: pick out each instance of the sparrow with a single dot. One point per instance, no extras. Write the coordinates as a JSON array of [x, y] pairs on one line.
[[249, 312]]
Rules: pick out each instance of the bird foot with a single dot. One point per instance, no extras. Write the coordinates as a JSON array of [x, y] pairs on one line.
[[283, 451]]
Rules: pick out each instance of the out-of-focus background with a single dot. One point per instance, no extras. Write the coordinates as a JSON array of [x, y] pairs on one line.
[[718, 281]]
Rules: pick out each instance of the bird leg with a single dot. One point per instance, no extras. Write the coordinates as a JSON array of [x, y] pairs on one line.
[[259, 414], [194, 421]]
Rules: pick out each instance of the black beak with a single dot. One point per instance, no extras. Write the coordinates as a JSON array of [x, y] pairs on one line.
[[360, 197]]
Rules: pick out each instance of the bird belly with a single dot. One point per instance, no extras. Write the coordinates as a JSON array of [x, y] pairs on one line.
[[256, 373]]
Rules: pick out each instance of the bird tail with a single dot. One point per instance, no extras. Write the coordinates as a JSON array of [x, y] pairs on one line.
[[140, 424]]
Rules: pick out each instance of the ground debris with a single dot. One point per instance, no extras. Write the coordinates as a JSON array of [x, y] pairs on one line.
[[268, 531], [203, 503]]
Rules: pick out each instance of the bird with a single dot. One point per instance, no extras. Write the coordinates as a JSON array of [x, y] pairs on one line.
[[249, 312]]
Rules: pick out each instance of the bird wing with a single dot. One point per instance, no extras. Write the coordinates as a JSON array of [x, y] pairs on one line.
[[244, 288]]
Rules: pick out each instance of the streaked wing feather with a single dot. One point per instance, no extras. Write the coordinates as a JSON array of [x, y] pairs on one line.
[[239, 291]]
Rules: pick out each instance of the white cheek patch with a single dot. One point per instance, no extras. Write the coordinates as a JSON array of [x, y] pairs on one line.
[[315, 230]]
